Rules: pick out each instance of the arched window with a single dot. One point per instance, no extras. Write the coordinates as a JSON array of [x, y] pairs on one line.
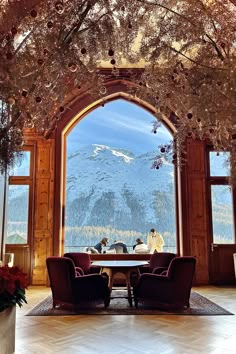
[[111, 188]]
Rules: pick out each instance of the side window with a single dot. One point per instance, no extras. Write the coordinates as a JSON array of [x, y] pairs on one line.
[[221, 199], [19, 201]]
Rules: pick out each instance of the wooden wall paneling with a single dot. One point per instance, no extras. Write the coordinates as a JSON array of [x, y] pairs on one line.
[[198, 250], [44, 191], [197, 209], [197, 202], [42, 199], [182, 212], [42, 248], [43, 159], [223, 271], [196, 156]]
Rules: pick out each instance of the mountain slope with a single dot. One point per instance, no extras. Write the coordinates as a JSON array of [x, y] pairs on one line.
[[111, 186]]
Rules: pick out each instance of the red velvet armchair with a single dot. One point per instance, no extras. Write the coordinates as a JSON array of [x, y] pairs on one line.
[[71, 290], [82, 261], [168, 291], [160, 261]]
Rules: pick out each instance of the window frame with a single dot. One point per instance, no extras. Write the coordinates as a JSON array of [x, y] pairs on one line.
[[29, 181], [220, 181], [63, 151]]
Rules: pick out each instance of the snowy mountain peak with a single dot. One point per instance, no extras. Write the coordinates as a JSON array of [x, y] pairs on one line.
[[125, 155]]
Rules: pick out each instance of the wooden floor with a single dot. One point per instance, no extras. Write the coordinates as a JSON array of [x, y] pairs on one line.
[[110, 334]]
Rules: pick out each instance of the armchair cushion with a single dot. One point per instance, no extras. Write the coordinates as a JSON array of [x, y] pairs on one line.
[[161, 259], [79, 271], [82, 260], [160, 270]]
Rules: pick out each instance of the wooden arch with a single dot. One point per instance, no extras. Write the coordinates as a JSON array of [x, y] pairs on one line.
[[75, 111]]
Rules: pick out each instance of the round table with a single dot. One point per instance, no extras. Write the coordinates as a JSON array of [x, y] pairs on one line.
[[112, 268]]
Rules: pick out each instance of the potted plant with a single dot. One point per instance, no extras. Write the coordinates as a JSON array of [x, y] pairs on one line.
[[13, 283]]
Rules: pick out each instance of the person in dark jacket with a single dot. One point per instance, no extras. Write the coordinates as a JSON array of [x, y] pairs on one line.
[[101, 244], [119, 246]]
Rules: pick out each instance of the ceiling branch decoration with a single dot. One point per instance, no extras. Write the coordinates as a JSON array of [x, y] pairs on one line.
[[186, 49]]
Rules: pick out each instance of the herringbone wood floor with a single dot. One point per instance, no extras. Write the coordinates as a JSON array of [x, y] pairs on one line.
[[128, 334]]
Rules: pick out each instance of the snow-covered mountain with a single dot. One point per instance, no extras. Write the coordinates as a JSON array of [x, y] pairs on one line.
[[111, 186]]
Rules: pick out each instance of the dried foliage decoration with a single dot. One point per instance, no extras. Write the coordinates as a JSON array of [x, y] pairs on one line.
[[186, 49]]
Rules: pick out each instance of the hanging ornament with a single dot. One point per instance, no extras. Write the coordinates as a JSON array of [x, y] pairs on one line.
[[54, 96], [47, 84], [189, 115], [33, 13], [38, 99], [50, 24], [72, 67], [59, 7], [11, 101], [24, 93], [14, 31], [103, 90], [111, 52], [91, 66]]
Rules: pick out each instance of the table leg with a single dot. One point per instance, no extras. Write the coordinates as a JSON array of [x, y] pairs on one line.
[[112, 272], [127, 276]]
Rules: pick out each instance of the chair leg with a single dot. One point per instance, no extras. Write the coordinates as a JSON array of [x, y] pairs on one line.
[[136, 303]]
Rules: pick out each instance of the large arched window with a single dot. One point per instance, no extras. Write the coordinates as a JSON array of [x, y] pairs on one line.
[[111, 189]]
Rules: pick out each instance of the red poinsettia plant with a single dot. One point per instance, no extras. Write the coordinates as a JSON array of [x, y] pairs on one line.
[[13, 283]]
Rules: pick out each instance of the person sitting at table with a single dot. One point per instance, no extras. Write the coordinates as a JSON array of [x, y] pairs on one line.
[[101, 244], [119, 246], [140, 246]]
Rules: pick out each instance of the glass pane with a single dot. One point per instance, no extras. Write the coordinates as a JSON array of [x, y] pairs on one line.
[[222, 214], [17, 214], [22, 165], [111, 189], [219, 163]]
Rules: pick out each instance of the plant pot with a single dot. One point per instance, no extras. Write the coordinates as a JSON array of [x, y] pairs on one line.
[[7, 330]]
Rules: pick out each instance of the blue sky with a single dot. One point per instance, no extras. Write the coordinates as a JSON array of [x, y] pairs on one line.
[[118, 124]]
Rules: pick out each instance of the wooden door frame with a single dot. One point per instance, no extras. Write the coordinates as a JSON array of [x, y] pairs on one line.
[[217, 251]]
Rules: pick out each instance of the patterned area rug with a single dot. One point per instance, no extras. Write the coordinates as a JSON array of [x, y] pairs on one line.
[[199, 305]]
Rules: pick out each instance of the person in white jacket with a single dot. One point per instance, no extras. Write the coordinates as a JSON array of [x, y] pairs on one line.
[[140, 246], [155, 241]]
